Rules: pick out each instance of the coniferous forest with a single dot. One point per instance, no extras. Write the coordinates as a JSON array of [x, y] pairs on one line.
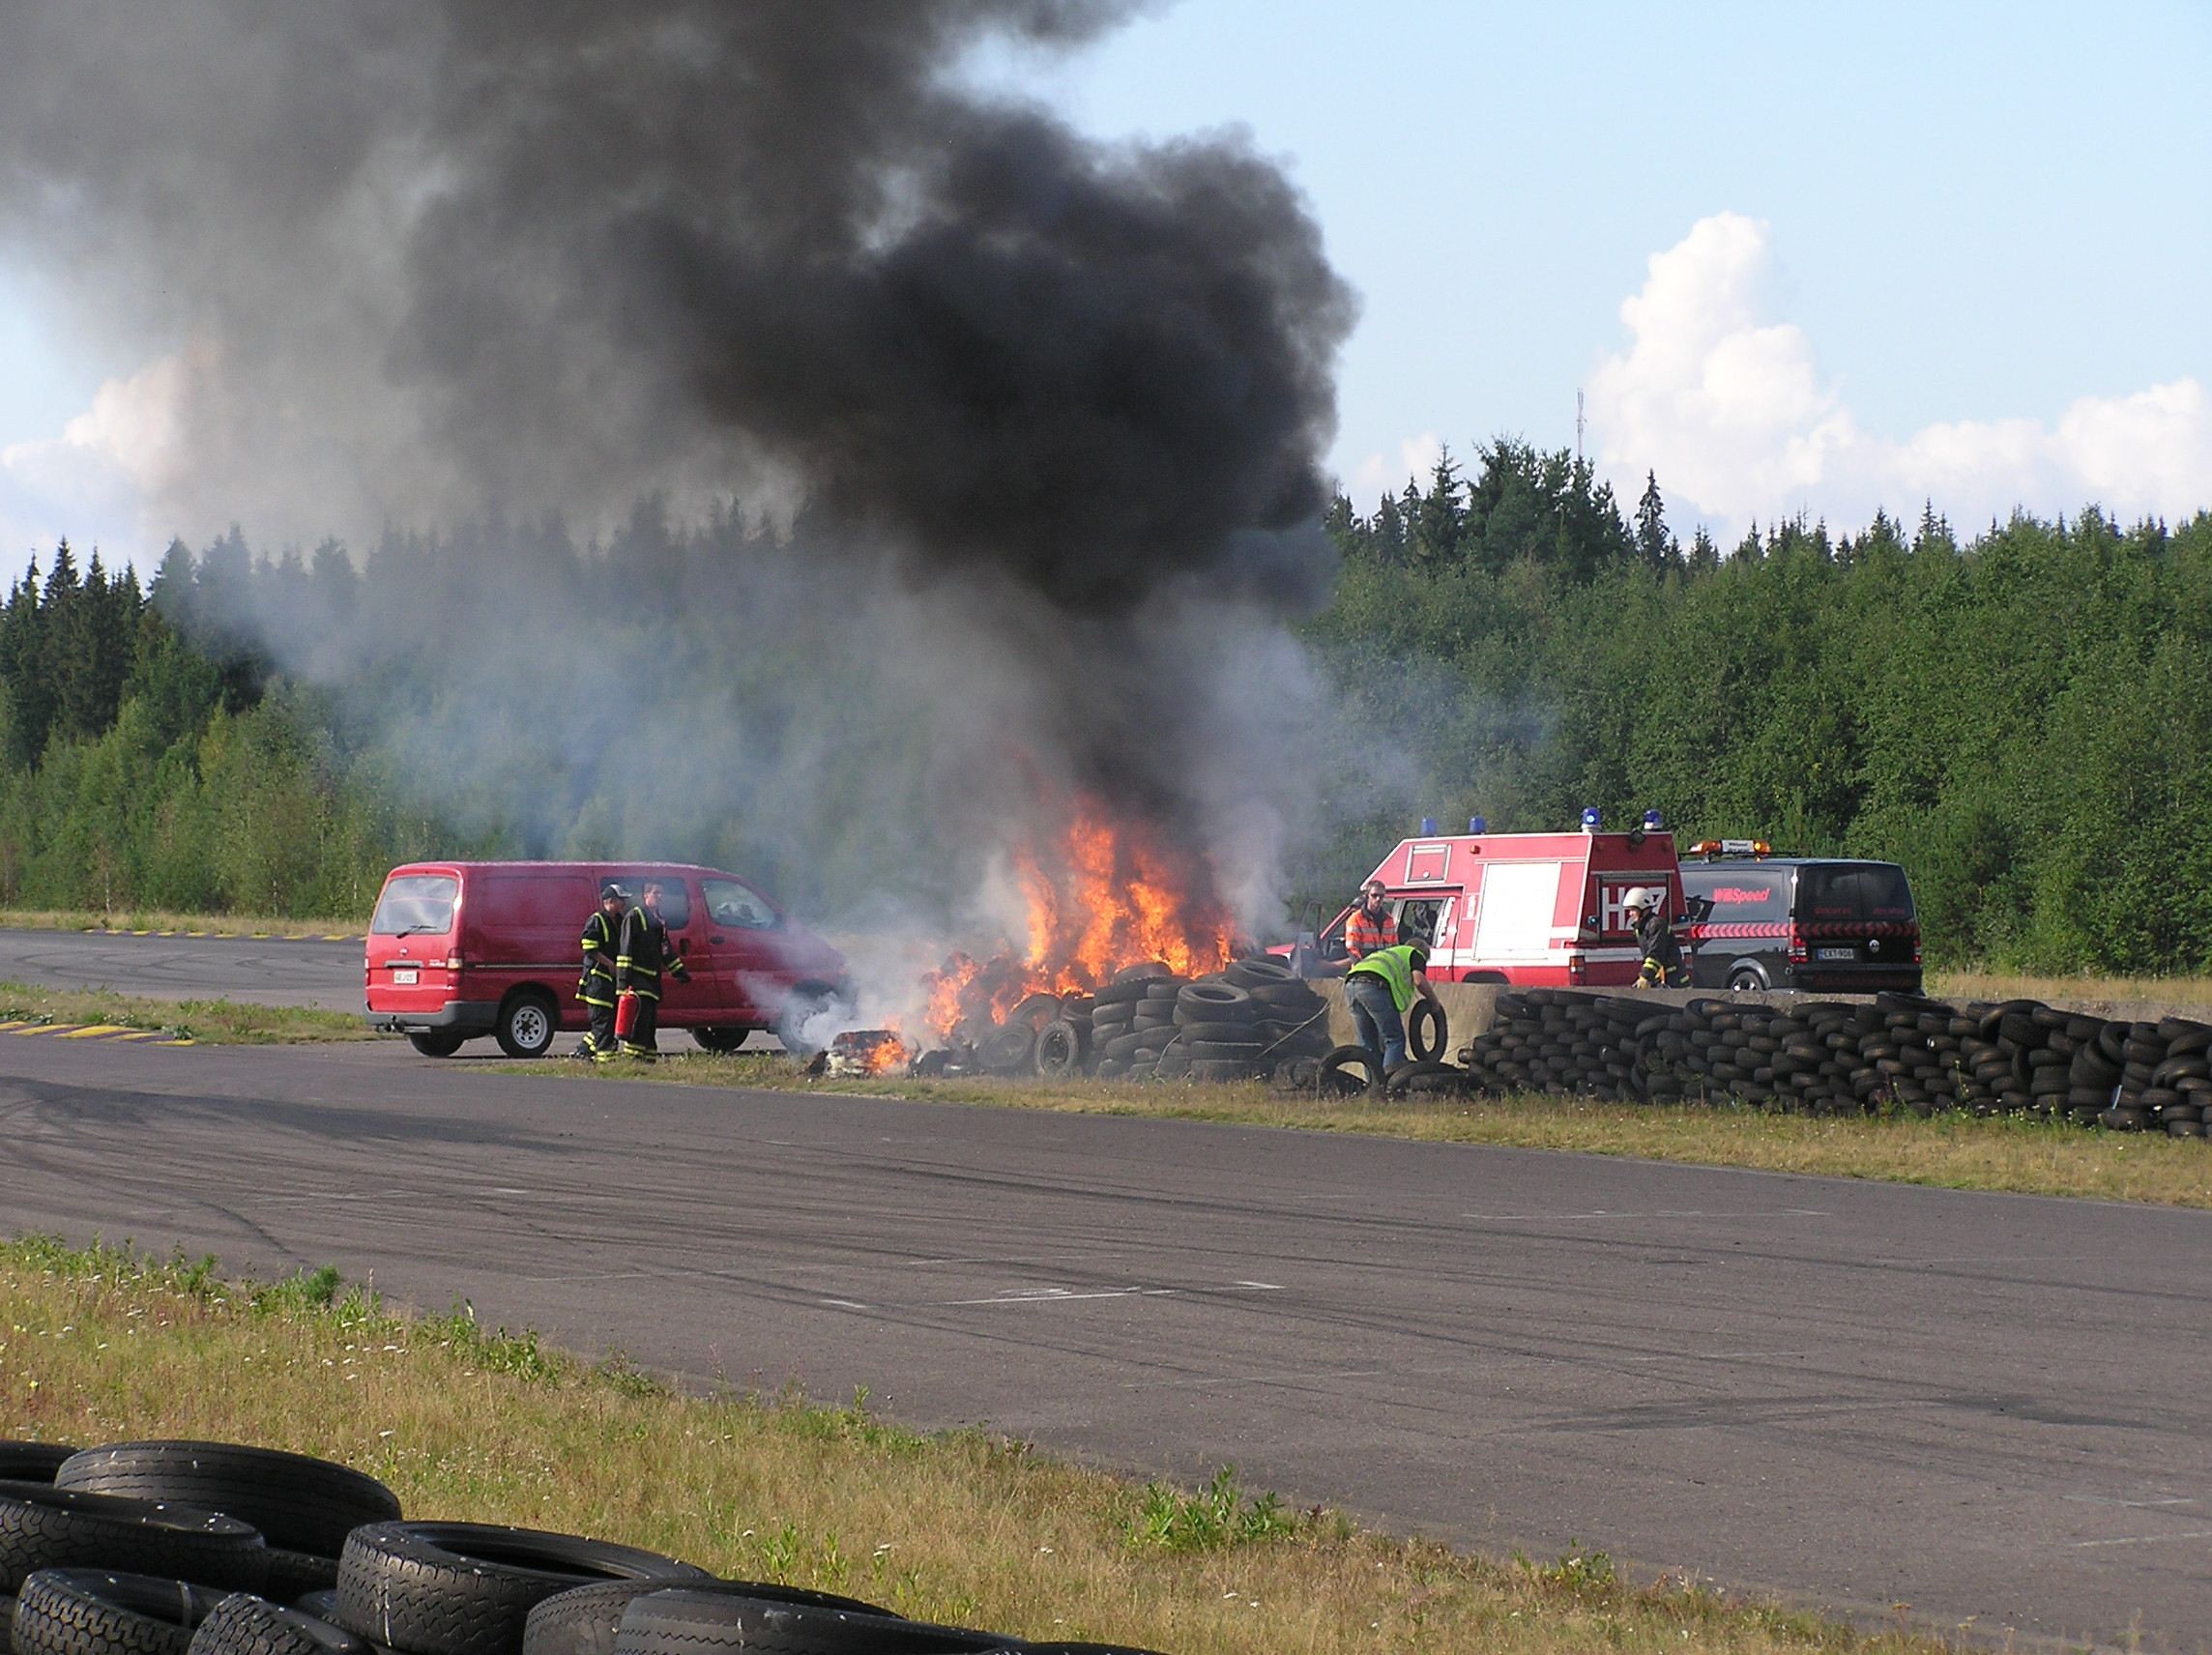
[[2021, 714]]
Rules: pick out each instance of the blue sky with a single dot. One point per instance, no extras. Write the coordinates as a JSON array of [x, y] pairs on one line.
[[1960, 248]]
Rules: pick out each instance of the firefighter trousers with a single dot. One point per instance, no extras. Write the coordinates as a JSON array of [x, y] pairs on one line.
[[601, 1038], [644, 1034]]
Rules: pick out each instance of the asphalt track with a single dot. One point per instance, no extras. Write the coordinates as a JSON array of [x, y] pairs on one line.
[[271, 971], [1989, 1408]]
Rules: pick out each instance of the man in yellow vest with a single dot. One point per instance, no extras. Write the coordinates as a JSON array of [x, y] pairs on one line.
[[1380, 990]]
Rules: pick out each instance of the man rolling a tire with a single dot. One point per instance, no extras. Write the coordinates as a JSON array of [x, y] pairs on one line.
[[1380, 990]]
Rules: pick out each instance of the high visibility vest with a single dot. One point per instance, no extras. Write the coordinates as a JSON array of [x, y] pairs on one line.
[[1395, 967]]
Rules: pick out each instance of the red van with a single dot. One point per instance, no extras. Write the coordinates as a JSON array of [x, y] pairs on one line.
[[459, 950]]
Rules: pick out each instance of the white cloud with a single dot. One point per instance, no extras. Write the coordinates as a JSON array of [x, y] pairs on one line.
[[1727, 403], [103, 480], [1418, 457]]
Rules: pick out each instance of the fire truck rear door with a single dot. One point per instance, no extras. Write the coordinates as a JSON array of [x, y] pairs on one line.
[[1514, 923]]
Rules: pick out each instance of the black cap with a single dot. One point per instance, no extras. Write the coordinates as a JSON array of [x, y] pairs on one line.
[[614, 890]]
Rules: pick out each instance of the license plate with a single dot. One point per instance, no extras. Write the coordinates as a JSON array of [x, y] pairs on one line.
[[1838, 954], [399, 977]]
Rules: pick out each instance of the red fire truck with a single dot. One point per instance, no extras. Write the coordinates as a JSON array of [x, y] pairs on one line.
[[1537, 909]]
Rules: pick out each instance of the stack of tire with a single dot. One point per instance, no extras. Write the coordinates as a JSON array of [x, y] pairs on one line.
[[1830, 1058], [149, 1573], [1132, 1022]]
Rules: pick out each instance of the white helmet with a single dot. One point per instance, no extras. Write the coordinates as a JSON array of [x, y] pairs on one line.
[[1640, 896]]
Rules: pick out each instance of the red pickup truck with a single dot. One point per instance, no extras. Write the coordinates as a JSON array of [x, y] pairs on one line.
[[460, 950]]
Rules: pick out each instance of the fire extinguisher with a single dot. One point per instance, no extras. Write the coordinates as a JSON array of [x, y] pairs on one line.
[[626, 1014]]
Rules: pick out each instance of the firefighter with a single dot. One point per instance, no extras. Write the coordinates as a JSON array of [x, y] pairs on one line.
[[643, 956], [1663, 967], [1369, 926], [596, 988], [1380, 990]]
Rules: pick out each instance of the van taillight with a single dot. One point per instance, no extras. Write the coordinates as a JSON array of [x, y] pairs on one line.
[[1797, 953], [453, 962], [1575, 970]]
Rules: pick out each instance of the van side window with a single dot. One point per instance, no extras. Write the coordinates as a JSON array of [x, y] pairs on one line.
[[415, 902], [1741, 895], [730, 903]]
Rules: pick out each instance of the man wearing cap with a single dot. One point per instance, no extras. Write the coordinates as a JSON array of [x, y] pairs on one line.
[[596, 988], [1647, 909], [1380, 990], [1370, 927]]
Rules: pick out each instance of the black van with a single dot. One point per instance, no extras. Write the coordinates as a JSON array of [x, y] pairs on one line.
[[1801, 923]]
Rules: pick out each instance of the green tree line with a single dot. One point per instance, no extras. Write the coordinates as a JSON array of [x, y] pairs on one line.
[[2023, 719]]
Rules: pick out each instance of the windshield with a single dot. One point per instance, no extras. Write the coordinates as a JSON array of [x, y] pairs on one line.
[[1855, 891], [415, 902]]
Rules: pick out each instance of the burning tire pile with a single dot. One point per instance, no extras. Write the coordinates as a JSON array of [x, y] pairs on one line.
[[1831, 1058], [1253, 1020], [218, 1549]]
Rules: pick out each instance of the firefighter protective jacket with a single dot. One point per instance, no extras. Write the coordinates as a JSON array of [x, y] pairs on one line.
[[645, 954], [602, 942], [1656, 938]]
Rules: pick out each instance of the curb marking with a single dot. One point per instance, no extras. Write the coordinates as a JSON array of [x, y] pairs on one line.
[[111, 1031], [230, 936]]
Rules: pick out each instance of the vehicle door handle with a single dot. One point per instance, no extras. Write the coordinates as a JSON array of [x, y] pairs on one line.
[[717, 941]]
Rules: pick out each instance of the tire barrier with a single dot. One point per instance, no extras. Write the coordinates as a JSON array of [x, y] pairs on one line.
[[1253, 1021], [87, 1568], [2019, 1057]]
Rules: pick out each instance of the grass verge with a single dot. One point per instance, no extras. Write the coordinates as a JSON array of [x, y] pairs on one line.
[[1954, 1152], [97, 1345], [162, 919], [212, 1022], [2190, 997]]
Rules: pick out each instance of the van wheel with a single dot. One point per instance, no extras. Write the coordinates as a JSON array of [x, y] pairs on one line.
[[720, 1040], [804, 1004], [1747, 979], [436, 1042], [527, 1025]]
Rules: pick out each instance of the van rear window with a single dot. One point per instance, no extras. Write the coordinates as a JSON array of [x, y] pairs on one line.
[[1857, 890], [415, 902], [1739, 898]]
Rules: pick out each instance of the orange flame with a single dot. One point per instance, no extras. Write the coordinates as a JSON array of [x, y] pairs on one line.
[[1101, 898]]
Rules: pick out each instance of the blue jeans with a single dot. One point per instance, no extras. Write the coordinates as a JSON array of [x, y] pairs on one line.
[[1375, 1014]]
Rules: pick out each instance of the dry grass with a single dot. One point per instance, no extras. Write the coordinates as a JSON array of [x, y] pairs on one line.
[[1955, 1152], [2188, 995], [162, 919], [96, 1346], [213, 1022]]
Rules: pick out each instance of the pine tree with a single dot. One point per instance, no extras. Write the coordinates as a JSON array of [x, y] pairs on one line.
[[1653, 543], [1438, 517]]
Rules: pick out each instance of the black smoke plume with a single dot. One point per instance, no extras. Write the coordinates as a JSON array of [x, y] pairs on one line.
[[433, 262]]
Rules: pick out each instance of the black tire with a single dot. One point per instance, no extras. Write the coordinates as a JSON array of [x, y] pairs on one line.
[[1122, 1048], [242, 1624], [1747, 979], [1214, 1001], [467, 1589], [528, 1021], [1406, 1077], [44, 1527], [1260, 974], [1118, 993], [586, 1620], [1008, 1050], [710, 1623], [720, 1041], [32, 1462], [1145, 973], [436, 1042], [91, 1611], [299, 1504], [1059, 1050], [801, 1007], [1219, 1031], [1336, 1071], [1036, 1011], [1224, 1051], [1295, 995], [323, 1605], [1427, 1030], [293, 1575]]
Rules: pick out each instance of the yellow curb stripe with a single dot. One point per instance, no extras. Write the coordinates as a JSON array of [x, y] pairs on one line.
[[136, 1034], [93, 1031], [45, 1029]]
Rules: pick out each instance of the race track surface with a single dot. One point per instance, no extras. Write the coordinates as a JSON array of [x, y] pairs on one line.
[[269, 971], [1989, 1408]]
